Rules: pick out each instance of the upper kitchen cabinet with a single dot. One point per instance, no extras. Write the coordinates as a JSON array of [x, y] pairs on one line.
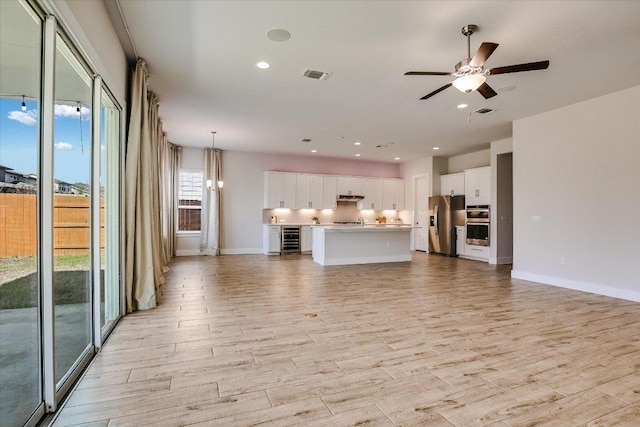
[[393, 194], [477, 185], [279, 190], [309, 192], [372, 191], [349, 185], [452, 184], [329, 190]]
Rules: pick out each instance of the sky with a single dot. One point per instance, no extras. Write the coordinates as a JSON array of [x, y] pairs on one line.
[[19, 134]]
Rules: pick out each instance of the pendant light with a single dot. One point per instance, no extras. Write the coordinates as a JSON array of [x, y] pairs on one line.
[[213, 147]]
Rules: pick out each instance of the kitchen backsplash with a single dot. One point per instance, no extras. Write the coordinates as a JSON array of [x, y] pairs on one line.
[[346, 211]]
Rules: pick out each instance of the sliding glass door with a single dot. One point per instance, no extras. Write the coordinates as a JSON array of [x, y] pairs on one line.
[[71, 211], [60, 212], [110, 230], [20, 74]]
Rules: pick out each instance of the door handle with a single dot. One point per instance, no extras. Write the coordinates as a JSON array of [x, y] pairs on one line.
[[436, 212]]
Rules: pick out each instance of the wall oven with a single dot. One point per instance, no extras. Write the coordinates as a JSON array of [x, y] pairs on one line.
[[478, 225]]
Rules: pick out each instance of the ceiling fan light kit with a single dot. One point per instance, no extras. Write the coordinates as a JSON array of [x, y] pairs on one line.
[[470, 72], [469, 83]]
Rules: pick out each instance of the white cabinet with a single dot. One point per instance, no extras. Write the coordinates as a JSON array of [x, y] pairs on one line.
[[372, 192], [271, 240], [393, 194], [480, 253], [309, 194], [461, 239], [329, 192], [279, 190], [477, 185], [452, 184], [349, 185], [306, 239]]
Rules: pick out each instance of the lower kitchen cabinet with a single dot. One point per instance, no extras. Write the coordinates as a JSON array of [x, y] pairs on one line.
[[271, 239], [306, 239], [480, 253]]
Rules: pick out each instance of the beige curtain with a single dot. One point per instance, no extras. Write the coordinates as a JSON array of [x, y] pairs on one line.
[[169, 173], [144, 261], [211, 204]]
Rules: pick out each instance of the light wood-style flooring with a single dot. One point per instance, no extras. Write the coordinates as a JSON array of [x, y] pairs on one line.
[[256, 340]]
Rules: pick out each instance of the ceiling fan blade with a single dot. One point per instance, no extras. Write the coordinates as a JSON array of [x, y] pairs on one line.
[[486, 91], [484, 51], [540, 65], [426, 73], [437, 91]]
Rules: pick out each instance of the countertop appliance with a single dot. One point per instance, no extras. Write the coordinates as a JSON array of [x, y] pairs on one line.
[[445, 212], [478, 225]]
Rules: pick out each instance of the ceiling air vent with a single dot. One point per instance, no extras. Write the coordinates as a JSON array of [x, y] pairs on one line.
[[317, 75], [305, 140], [484, 111]]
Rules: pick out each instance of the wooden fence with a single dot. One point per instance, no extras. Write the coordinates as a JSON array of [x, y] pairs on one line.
[[71, 230]]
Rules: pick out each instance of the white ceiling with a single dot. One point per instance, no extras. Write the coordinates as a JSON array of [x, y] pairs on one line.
[[202, 55]]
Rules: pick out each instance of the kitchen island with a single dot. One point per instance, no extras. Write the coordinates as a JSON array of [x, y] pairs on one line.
[[356, 244]]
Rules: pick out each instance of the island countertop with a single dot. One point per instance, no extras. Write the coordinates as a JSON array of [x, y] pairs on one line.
[[350, 228]]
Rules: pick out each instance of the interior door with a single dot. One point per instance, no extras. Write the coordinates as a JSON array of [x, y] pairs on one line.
[[421, 212]]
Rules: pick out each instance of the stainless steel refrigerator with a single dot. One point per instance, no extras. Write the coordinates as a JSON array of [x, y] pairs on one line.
[[445, 212]]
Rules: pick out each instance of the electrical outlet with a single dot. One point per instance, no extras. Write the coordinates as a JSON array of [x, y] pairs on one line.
[[563, 261], [536, 218]]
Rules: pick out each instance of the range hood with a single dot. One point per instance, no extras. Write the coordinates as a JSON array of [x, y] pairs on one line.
[[348, 198]]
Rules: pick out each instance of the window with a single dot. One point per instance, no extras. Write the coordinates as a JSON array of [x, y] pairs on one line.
[[189, 199]]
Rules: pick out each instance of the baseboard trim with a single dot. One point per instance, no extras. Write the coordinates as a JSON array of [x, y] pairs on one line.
[[501, 260], [575, 285], [363, 260], [187, 252], [241, 251]]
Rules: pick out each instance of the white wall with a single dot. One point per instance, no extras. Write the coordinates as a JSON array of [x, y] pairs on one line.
[[576, 169], [469, 161], [243, 193], [408, 171]]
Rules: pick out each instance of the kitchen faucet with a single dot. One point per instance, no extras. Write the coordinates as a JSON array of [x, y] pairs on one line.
[[361, 221]]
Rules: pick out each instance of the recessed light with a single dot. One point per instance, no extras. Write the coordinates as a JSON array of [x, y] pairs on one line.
[[314, 151], [396, 158], [263, 65], [358, 155], [357, 143], [278, 35], [461, 106], [436, 148]]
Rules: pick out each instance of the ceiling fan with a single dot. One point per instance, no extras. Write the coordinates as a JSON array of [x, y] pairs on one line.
[[470, 72]]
